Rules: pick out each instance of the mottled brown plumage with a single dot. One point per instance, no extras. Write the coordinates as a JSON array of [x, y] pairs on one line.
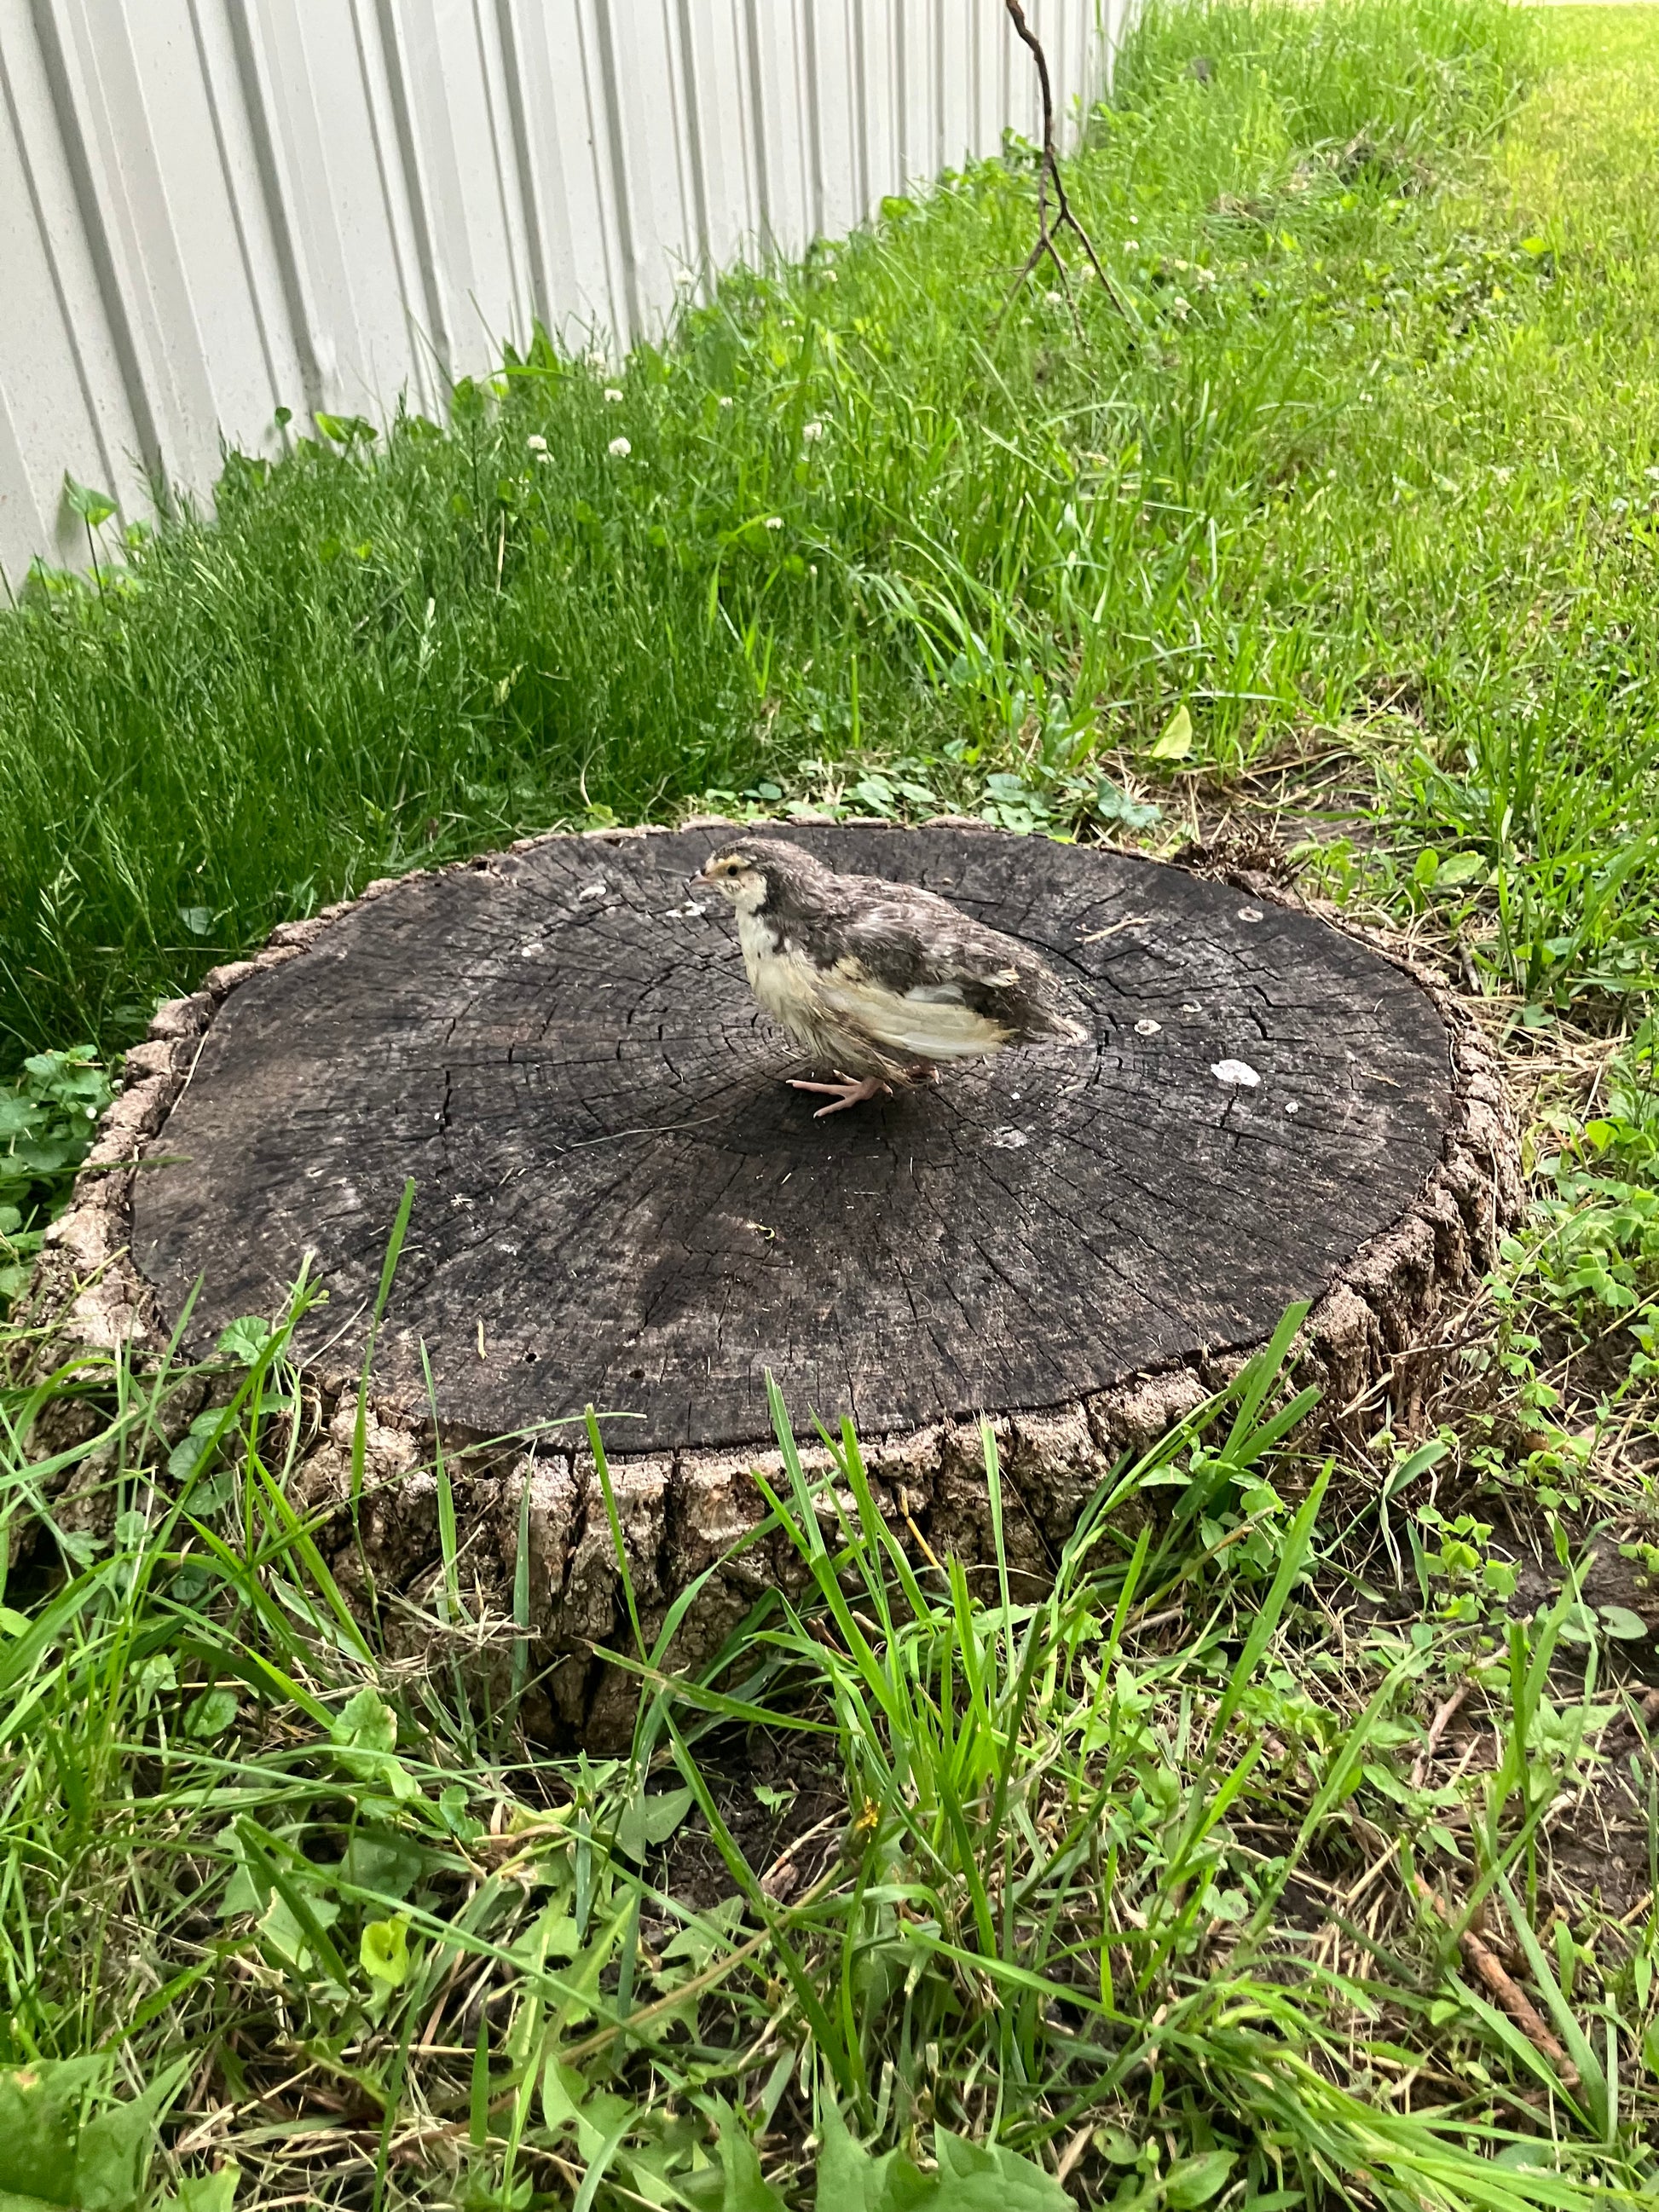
[[882, 982]]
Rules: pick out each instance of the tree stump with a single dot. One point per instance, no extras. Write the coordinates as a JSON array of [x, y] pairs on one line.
[[619, 1202]]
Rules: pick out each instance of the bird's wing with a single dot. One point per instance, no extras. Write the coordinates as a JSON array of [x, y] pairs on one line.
[[909, 943], [921, 949]]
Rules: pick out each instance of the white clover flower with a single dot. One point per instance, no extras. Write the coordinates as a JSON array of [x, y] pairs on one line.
[[1182, 308], [544, 460], [619, 449], [726, 399], [613, 395], [812, 432], [597, 361], [775, 522], [537, 443], [1055, 299], [1131, 246]]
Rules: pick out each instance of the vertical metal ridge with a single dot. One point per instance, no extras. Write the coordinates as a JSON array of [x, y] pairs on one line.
[[288, 272], [861, 107], [14, 470], [416, 328], [524, 162], [59, 291], [1004, 82], [414, 181], [681, 129], [941, 156], [976, 89], [698, 155], [122, 337], [809, 34], [901, 98], [244, 252], [616, 146], [758, 124], [504, 200], [599, 136]]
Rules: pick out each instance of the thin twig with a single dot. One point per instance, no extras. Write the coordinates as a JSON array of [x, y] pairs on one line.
[[1129, 921], [1508, 1992], [1436, 1729], [926, 1547], [1074, 2151], [1048, 176]]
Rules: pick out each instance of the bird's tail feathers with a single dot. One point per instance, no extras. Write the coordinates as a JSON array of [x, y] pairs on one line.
[[1053, 1021]]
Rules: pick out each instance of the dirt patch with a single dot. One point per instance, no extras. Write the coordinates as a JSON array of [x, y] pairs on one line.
[[785, 1813]]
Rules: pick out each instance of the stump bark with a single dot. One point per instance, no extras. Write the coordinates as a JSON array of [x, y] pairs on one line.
[[619, 1202]]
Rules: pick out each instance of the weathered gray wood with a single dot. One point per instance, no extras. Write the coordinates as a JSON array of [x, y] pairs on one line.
[[614, 1187], [615, 1183]]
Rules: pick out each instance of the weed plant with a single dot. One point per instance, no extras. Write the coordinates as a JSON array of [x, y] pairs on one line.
[[47, 1117]]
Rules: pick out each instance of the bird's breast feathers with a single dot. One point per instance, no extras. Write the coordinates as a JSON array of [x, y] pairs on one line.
[[816, 1002]]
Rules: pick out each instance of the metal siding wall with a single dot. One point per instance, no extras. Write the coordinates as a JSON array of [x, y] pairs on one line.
[[212, 207], [839, 191], [61, 374]]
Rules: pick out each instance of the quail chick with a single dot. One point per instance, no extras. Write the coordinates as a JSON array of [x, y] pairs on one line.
[[881, 982]]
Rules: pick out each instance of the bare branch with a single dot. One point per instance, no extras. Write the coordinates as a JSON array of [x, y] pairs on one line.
[[1049, 179]]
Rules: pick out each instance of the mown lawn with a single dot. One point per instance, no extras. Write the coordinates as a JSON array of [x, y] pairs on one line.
[[1340, 541]]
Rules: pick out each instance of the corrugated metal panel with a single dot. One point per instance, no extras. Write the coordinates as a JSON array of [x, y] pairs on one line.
[[212, 207]]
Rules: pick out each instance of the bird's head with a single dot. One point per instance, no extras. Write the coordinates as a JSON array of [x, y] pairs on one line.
[[750, 871]]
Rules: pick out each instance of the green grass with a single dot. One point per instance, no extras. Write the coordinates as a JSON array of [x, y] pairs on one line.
[[1124, 1884], [1365, 426], [326, 1914]]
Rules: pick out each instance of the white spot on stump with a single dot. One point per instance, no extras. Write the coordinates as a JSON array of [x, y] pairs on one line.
[[1149, 1028], [1250, 913], [1237, 1074], [594, 890], [1009, 1141]]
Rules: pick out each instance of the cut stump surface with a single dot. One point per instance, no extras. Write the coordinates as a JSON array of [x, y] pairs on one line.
[[617, 1196], [619, 1202]]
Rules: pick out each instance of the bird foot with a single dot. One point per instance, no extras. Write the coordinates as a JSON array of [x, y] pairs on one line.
[[843, 1093]]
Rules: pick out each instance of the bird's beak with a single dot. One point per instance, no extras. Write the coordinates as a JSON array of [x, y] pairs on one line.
[[696, 876]]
